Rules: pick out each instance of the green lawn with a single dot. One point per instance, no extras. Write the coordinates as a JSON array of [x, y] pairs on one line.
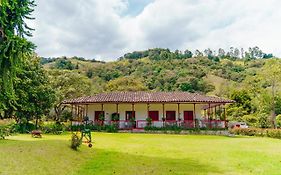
[[141, 154]]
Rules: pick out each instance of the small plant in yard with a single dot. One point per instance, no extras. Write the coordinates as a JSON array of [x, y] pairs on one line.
[[75, 142], [4, 131]]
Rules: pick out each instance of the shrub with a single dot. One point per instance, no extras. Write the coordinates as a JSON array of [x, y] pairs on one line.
[[4, 131], [53, 127], [148, 121], [75, 141], [111, 128], [273, 133], [115, 117], [251, 120]]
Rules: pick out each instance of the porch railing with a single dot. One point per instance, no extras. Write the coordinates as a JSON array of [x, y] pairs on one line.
[[140, 124]]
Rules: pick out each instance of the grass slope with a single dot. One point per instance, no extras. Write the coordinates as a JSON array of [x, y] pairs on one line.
[[141, 154]]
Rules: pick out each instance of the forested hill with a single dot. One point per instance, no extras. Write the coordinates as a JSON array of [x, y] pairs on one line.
[[163, 70]]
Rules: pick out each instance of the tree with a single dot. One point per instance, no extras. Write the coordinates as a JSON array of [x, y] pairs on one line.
[[271, 74], [14, 48], [125, 84], [68, 85], [187, 53], [35, 97], [221, 53]]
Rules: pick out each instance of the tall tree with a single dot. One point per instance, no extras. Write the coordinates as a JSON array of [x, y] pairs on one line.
[[13, 45], [271, 74], [35, 96]]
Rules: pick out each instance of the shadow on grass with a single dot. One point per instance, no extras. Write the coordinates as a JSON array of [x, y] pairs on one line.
[[109, 162]]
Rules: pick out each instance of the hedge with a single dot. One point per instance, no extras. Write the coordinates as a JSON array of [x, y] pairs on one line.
[[273, 133]]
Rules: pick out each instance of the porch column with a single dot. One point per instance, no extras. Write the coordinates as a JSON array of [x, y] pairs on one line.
[[209, 111], [194, 114], [102, 107], [179, 117], [87, 110], [163, 115], [78, 113], [220, 112]]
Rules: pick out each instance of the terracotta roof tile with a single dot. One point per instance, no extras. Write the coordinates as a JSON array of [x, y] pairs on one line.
[[147, 97]]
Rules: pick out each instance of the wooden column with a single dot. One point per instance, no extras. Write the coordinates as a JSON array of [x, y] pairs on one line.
[[72, 110], [117, 110], [209, 111], [216, 113], [220, 112], [87, 110], [102, 107], [133, 109], [163, 115], [194, 114], [179, 111]]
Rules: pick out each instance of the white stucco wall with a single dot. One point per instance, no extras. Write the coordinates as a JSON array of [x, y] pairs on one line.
[[141, 110]]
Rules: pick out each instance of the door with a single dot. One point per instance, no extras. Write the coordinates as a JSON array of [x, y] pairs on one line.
[[130, 114], [170, 115], [154, 115], [188, 115], [98, 115]]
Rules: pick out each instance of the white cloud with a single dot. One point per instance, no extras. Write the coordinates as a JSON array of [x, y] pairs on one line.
[[96, 28]]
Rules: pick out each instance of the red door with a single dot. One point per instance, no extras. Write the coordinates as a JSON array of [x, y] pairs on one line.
[[154, 115], [188, 115], [130, 114], [170, 115], [98, 114]]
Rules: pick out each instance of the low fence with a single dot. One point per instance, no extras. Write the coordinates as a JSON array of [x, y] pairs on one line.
[[140, 124]]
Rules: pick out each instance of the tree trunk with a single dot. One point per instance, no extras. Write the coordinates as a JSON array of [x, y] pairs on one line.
[[58, 110]]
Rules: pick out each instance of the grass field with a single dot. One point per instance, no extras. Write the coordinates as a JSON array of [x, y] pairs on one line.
[[141, 154]]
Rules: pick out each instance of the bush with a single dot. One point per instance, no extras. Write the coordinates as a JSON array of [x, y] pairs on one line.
[[4, 131], [75, 141], [111, 128], [250, 119], [273, 133], [263, 120], [53, 127]]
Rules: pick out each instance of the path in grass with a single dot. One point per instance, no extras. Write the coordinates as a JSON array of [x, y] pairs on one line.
[[141, 154]]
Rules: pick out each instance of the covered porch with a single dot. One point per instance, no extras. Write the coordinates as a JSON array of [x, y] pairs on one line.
[[135, 115]]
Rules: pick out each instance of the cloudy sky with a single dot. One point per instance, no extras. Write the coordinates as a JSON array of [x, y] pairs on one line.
[[107, 29]]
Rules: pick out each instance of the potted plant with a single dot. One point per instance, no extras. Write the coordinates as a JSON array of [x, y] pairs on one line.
[[101, 118], [148, 121], [133, 122]]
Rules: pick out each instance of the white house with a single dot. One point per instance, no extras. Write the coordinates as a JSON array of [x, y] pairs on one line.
[[164, 108]]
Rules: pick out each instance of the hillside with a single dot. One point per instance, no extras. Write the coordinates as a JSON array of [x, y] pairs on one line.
[[200, 74]]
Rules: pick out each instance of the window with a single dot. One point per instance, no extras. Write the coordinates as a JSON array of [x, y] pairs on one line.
[[98, 115], [130, 114], [188, 115], [154, 115], [170, 115]]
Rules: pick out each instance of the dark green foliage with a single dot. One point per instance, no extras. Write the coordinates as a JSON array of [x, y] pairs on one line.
[[75, 142], [242, 99], [35, 95], [64, 63], [14, 48]]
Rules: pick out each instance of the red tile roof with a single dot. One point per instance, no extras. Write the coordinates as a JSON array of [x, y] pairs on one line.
[[147, 97]]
